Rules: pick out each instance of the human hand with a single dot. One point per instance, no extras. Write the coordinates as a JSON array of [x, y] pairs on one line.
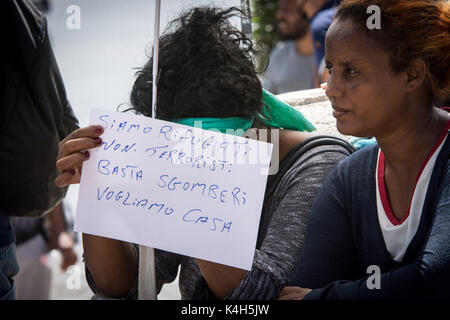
[[72, 151], [65, 246], [293, 293], [69, 258]]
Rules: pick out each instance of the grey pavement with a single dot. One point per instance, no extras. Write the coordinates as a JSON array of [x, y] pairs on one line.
[[71, 285]]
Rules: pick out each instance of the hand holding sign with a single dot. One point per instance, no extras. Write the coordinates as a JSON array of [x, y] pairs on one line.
[[72, 151], [177, 188]]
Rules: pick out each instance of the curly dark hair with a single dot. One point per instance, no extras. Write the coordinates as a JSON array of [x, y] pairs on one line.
[[205, 70]]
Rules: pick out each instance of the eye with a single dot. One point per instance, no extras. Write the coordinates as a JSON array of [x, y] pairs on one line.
[[329, 68], [349, 71]]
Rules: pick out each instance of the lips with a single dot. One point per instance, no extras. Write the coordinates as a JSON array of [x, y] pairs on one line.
[[339, 112], [282, 25]]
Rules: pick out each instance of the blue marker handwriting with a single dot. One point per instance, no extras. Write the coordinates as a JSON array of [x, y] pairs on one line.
[[188, 146], [196, 216], [235, 195], [125, 199], [180, 157], [193, 216], [186, 139], [215, 143], [114, 145], [123, 126], [129, 172]]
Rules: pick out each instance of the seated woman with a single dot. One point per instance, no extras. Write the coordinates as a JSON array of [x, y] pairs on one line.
[[207, 71], [379, 226]]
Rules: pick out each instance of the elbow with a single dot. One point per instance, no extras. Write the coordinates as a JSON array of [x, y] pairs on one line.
[[114, 290], [111, 282], [114, 286]]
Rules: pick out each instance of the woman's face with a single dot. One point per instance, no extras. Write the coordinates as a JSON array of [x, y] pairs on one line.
[[366, 95]]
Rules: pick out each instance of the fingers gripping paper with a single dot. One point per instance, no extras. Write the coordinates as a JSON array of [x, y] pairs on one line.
[[173, 187]]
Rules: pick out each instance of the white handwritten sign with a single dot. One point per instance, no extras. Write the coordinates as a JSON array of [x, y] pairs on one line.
[[173, 187]]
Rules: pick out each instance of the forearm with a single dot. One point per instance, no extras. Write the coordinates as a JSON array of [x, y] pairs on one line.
[[221, 279], [112, 264], [427, 277], [408, 282], [282, 230], [57, 219], [57, 225]]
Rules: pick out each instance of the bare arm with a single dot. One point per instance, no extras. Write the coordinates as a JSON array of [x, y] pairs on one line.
[[60, 238], [112, 264], [221, 279], [274, 259]]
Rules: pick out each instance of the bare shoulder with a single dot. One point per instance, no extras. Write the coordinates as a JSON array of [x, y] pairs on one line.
[[288, 139], [283, 140]]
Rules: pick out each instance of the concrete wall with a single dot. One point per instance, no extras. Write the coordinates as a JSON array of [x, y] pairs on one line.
[[316, 107]]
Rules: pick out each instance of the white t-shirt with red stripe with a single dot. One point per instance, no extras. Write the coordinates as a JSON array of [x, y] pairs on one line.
[[398, 234]]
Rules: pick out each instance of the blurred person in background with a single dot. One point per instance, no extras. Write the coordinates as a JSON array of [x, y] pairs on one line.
[[291, 62], [320, 15], [35, 238]]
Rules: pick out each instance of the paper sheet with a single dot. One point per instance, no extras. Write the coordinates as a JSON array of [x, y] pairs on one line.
[[173, 187]]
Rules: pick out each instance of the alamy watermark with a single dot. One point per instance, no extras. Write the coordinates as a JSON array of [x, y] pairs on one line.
[[73, 281], [374, 21], [73, 21], [203, 148], [374, 280]]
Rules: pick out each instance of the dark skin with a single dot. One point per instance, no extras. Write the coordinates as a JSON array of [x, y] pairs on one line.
[[59, 238], [112, 263], [290, 24], [370, 99]]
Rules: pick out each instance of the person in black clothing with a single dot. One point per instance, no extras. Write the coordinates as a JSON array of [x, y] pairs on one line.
[[42, 5], [34, 115]]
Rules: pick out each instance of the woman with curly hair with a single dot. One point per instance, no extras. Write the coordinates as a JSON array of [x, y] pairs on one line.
[[206, 73], [379, 227]]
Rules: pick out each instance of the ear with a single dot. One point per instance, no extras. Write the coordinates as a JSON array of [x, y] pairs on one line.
[[415, 74]]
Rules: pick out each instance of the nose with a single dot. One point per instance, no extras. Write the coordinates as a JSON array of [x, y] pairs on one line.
[[334, 88], [279, 15]]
